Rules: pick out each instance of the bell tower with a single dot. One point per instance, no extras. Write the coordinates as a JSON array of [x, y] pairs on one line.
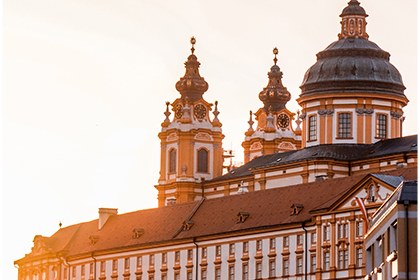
[[191, 143], [274, 132]]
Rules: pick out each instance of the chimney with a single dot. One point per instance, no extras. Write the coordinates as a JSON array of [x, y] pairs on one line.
[[104, 214]]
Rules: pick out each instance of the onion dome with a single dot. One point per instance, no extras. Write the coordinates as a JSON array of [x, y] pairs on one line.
[[353, 63], [274, 95], [192, 85]]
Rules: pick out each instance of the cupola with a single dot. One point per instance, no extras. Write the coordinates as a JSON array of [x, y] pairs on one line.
[[274, 95], [274, 132], [192, 85], [352, 94]]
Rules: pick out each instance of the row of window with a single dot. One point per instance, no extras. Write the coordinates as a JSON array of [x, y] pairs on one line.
[[342, 231], [345, 126], [202, 160]]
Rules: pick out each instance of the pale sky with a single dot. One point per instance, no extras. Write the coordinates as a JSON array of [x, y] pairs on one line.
[[85, 84]]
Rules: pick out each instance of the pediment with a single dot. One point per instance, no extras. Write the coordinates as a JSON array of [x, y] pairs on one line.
[[373, 190]]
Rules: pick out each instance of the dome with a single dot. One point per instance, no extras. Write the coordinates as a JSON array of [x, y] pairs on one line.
[[353, 8], [352, 65], [274, 95], [192, 85]]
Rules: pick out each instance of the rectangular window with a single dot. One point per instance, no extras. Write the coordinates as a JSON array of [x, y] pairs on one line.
[[177, 256], [189, 275], [190, 254], [217, 273], [326, 233], [177, 276], [300, 239], [151, 277], [218, 251], [314, 237], [73, 271], [114, 265], [344, 125], [359, 256], [164, 277], [231, 249], [83, 270], [340, 259], [91, 269], [231, 273], [346, 259], [313, 264], [286, 241], [272, 269], [299, 266], [65, 273], [340, 231], [312, 128], [164, 257], [259, 245], [272, 243], [102, 266], [381, 126], [258, 273], [138, 261], [245, 272], [327, 261], [152, 259], [126, 263], [359, 228], [204, 274], [204, 252], [345, 230], [285, 267], [245, 247]]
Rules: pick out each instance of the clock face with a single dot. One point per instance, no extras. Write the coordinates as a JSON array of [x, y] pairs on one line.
[[283, 120], [200, 111], [178, 111]]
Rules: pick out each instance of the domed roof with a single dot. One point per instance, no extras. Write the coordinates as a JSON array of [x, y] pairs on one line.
[[353, 63], [192, 85], [353, 8]]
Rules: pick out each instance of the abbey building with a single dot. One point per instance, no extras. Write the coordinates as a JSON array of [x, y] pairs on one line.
[[299, 207]]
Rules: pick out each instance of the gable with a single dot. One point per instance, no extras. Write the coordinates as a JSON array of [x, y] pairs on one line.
[[371, 189]]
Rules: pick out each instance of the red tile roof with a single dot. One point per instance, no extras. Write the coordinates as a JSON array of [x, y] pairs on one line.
[[267, 209]]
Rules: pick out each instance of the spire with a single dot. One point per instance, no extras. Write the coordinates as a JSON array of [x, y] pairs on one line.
[[250, 122], [274, 94], [353, 23], [192, 85]]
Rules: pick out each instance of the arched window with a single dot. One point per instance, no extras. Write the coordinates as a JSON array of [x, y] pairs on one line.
[[202, 160], [172, 160]]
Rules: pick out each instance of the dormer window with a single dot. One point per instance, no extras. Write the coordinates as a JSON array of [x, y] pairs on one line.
[[137, 232], [187, 225], [242, 216], [372, 193], [296, 208], [93, 239]]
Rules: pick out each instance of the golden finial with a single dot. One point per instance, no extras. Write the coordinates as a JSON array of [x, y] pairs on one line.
[[275, 51], [192, 41]]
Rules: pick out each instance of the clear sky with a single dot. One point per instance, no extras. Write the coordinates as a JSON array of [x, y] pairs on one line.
[[85, 84]]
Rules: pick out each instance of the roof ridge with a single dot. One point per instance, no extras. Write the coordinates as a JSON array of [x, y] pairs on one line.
[[190, 216]]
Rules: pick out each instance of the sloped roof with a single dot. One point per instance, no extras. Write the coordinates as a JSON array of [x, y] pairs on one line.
[[394, 181], [266, 208], [342, 152]]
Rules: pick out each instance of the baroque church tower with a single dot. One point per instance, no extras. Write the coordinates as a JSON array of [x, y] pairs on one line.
[[352, 94], [191, 143], [274, 132]]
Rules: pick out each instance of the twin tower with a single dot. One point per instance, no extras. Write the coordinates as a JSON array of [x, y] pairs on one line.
[[351, 95]]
